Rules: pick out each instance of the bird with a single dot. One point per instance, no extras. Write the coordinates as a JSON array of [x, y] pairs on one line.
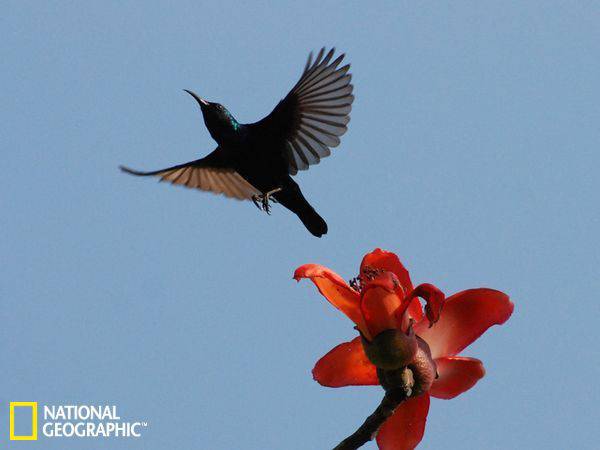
[[256, 161]]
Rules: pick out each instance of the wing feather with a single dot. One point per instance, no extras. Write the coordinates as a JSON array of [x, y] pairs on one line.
[[315, 113], [206, 174]]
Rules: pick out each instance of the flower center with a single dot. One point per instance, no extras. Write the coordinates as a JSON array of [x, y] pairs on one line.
[[368, 273]]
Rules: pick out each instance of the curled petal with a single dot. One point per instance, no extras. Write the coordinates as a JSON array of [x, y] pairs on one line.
[[346, 365], [434, 298], [457, 374], [388, 261], [465, 317], [334, 289], [404, 429]]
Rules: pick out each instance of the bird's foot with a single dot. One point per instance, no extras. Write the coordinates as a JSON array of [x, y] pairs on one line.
[[262, 201]]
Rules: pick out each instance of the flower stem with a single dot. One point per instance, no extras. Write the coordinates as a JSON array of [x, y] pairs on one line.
[[368, 430]]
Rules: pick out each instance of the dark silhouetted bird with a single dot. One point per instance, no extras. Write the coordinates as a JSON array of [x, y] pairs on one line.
[[254, 161]]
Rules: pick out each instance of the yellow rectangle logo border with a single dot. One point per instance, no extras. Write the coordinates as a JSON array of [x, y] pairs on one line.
[[34, 419]]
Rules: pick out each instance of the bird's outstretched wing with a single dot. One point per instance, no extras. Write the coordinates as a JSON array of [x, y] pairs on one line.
[[207, 174], [313, 116]]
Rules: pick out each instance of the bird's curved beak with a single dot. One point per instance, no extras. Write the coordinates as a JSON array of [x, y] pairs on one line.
[[199, 99]]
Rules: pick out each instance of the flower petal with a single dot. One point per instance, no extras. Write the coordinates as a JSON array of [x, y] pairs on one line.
[[334, 289], [457, 374], [388, 261], [346, 365], [434, 299], [384, 260], [379, 302], [465, 316], [404, 429]]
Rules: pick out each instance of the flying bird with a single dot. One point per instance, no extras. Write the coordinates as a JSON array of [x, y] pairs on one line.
[[255, 161]]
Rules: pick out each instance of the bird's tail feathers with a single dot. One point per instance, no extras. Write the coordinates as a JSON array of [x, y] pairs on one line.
[[294, 201], [313, 221]]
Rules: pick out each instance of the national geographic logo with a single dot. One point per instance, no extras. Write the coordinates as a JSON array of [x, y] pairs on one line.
[[70, 421], [32, 436]]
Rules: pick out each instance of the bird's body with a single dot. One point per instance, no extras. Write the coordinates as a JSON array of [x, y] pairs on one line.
[[256, 160]]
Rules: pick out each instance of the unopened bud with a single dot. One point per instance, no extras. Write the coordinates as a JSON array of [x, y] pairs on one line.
[[392, 349]]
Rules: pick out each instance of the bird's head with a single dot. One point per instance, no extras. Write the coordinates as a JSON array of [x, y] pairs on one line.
[[219, 121]]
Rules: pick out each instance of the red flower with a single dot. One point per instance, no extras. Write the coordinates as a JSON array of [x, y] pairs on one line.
[[384, 306]]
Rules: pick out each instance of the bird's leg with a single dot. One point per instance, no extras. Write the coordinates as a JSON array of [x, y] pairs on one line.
[[264, 200]]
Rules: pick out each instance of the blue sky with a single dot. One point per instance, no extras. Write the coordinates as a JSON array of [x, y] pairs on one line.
[[472, 153]]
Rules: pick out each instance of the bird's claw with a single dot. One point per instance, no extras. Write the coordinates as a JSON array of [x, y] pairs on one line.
[[255, 199], [262, 201]]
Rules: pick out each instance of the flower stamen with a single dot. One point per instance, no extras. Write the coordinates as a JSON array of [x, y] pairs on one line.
[[369, 274]]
